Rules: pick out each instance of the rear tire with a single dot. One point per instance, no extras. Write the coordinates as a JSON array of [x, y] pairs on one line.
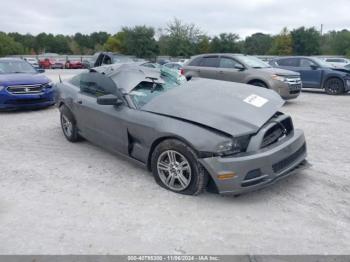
[[334, 86], [68, 125], [176, 168]]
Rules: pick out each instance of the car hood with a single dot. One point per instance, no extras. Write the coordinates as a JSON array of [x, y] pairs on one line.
[[341, 69], [22, 79], [233, 108], [279, 71]]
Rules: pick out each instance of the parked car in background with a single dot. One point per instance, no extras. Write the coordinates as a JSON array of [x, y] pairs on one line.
[[87, 63], [58, 64], [189, 135], [150, 65], [74, 64], [183, 61], [244, 69], [46, 63], [33, 61], [315, 73], [336, 61], [163, 61], [108, 58], [21, 86], [176, 66]]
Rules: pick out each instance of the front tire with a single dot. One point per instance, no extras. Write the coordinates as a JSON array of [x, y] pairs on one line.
[[68, 125], [334, 86], [176, 168]]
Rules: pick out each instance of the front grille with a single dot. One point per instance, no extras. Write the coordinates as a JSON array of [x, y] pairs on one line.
[[25, 89], [279, 166], [272, 135], [277, 131], [293, 80]]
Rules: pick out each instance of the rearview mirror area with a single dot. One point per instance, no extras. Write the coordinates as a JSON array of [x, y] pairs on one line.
[[109, 100], [314, 67], [40, 70]]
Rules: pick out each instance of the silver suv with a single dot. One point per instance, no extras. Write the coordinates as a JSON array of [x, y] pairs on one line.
[[244, 69]]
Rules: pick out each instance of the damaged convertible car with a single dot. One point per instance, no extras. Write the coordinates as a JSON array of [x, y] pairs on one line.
[[196, 135]]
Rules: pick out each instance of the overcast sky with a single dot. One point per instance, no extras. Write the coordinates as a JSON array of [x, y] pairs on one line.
[[212, 16]]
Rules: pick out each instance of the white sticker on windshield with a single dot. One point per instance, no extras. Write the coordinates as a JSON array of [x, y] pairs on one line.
[[256, 100]]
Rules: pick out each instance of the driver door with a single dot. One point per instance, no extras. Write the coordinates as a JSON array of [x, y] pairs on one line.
[[311, 74], [101, 124], [228, 70]]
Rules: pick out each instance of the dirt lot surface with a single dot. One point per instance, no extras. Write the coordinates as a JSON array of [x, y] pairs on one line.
[[62, 198]]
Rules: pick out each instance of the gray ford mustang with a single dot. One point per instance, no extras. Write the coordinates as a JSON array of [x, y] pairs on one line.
[[202, 134]]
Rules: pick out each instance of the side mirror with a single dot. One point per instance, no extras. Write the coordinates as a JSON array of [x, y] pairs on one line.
[[40, 70], [109, 100], [314, 67], [239, 67]]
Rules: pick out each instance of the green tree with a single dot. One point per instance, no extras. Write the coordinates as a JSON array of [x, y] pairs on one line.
[[258, 44], [116, 43], [8, 46], [140, 41], [225, 43], [282, 44], [180, 39], [340, 43], [203, 45], [306, 41]]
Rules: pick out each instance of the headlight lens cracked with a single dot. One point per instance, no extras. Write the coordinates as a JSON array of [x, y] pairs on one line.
[[233, 146]]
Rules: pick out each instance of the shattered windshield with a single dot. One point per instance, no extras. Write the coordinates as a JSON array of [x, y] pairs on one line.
[[145, 91]]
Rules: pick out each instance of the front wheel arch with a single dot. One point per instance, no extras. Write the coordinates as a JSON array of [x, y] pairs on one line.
[[258, 82], [160, 140]]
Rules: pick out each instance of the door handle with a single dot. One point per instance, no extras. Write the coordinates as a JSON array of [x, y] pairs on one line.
[[221, 72]]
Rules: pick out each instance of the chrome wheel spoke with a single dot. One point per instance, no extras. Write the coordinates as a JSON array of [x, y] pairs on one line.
[[164, 166], [184, 165], [67, 126], [172, 156], [182, 179]]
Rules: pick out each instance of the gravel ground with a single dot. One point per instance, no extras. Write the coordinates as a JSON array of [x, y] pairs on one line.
[[62, 198]]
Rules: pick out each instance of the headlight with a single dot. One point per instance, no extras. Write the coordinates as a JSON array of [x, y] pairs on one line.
[[233, 146], [49, 84], [1, 88], [279, 78]]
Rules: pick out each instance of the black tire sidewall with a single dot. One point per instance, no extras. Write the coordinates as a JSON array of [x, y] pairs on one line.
[[340, 90], [198, 176]]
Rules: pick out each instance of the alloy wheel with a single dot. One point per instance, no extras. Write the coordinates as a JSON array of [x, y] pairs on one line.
[[174, 170], [67, 126]]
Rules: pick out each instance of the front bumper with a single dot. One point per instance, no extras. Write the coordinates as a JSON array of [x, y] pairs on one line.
[[287, 91], [27, 101], [257, 170]]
